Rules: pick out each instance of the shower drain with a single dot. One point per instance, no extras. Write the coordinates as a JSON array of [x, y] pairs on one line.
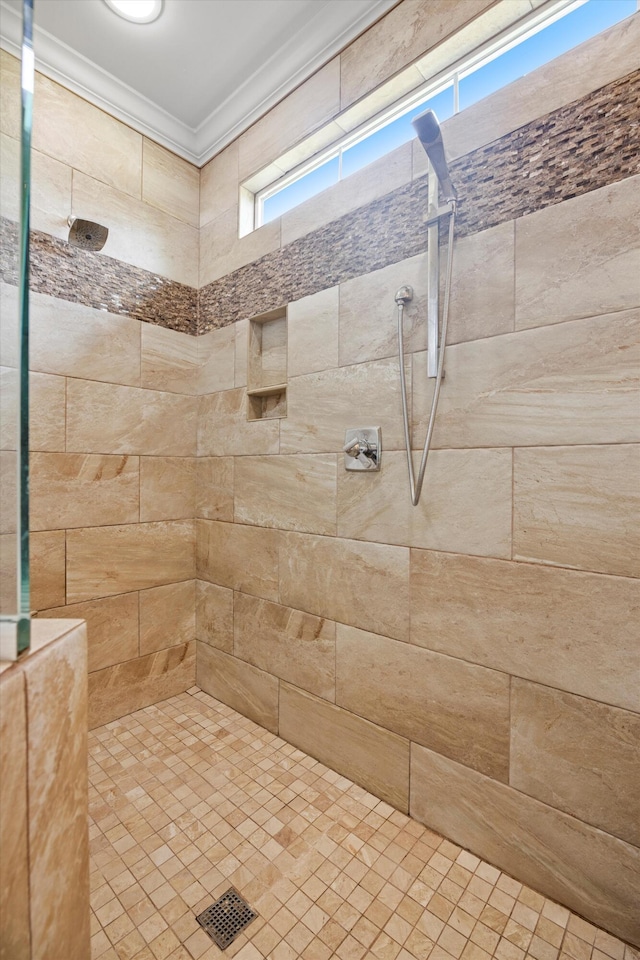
[[225, 919]]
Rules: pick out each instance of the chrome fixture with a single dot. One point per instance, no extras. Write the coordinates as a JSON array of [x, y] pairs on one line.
[[86, 234], [362, 448], [428, 130]]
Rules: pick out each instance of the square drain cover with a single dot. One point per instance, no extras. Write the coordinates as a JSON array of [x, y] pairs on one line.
[[225, 919]]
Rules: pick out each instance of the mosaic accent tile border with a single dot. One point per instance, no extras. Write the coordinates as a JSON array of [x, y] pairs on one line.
[[95, 280], [561, 155]]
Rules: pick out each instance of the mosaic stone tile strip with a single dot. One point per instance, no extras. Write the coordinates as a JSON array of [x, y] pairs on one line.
[[95, 280], [187, 798], [554, 158], [561, 155]]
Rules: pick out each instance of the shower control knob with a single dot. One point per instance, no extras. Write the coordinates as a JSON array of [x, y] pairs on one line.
[[362, 449]]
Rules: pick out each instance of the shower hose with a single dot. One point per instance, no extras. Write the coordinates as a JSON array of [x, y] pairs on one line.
[[416, 487]]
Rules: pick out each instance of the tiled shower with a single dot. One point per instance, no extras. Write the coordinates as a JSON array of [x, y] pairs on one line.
[[472, 662]]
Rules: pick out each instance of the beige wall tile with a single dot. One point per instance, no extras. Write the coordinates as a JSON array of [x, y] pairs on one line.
[[112, 627], [219, 184], [456, 708], [127, 687], [167, 616], [380, 97], [312, 331], [47, 415], [325, 135], [465, 505], [591, 65], [169, 359], [214, 488], [107, 418], [574, 382], [368, 312], [292, 645], [375, 180], [214, 615], [577, 755], [139, 234], [566, 269], [9, 488], [374, 758], [47, 567], [320, 406], [103, 561], [106, 150], [50, 189], [292, 493], [223, 429], [14, 863], [479, 307], [241, 351], [9, 305], [57, 775], [167, 488], [341, 578], [8, 573], [222, 251], [564, 628], [47, 421], [415, 28], [243, 558], [10, 95], [584, 868], [313, 103], [216, 359], [9, 386], [170, 183], [80, 490], [251, 692], [578, 507], [78, 341]]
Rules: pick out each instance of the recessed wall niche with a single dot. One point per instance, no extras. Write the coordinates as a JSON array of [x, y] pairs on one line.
[[267, 366]]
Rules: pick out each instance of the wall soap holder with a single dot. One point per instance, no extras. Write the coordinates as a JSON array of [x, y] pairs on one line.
[[267, 366], [362, 449]]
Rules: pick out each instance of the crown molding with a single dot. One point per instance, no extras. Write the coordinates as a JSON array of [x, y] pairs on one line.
[[302, 54], [292, 64]]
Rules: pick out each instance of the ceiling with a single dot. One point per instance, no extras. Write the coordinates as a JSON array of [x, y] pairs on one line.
[[200, 74]]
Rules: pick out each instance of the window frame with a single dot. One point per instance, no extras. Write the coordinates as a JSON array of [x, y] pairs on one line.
[[252, 200]]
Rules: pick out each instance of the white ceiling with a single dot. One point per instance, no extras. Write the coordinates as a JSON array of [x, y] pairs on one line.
[[202, 73]]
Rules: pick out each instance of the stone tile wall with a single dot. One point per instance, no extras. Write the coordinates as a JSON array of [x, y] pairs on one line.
[[474, 660], [501, 610], [553, 158], [113, 495], [44, 869]]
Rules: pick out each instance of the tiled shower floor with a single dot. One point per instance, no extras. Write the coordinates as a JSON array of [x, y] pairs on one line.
[[188, 798]]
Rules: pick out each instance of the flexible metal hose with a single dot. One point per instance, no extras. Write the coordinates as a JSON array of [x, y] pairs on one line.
[[416, 488]]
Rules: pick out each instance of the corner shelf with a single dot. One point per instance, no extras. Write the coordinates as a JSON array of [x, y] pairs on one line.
[[267, 366]]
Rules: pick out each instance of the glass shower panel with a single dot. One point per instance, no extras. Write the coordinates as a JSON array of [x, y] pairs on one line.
[[14, 352]]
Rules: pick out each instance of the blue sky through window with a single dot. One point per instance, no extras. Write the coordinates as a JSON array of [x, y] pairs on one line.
[[394, 134], [586, 21], [307, 186]]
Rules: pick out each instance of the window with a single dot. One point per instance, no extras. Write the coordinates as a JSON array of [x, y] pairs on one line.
[[535, 41]]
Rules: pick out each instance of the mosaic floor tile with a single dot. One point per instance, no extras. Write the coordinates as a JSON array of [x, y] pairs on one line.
[[189, 798]]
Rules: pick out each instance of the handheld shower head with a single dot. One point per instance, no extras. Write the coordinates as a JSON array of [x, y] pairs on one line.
[[428, 129]]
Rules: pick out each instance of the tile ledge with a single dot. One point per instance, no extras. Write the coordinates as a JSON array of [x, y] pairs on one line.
[[43, 633]]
